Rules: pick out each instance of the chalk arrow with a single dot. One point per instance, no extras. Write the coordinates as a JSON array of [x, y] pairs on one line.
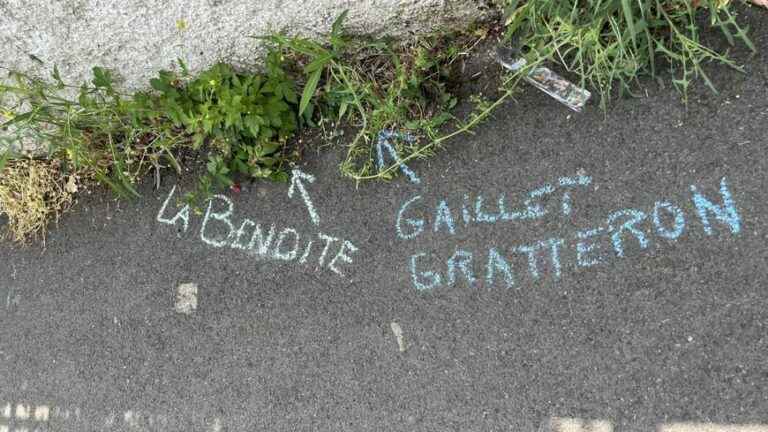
[[296, 177]]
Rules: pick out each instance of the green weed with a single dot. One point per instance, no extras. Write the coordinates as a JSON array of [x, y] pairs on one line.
[[243, 122], [374, 85], [609, 43]]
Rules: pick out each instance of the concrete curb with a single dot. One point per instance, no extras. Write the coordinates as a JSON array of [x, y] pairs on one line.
[[140, 37]]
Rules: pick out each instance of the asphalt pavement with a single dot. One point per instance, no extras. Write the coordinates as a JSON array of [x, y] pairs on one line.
[[556, 271]]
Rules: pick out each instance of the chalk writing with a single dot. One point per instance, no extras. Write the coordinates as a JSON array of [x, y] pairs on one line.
[[444, 217], [584, 246], [433, 280], [413, 215], [624, 228], [23, 416], [384, 143], [725, 213], [497, 263], [27, 413], [634, 217], [182, 215], [679, 221], [220, 228], [417, 225], [296, 178], [460, 261]]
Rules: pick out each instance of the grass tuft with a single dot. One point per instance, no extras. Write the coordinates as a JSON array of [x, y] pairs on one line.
[[376, 85], [32, 193], [608, 44]]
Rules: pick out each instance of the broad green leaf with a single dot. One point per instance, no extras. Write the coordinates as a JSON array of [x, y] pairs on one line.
[[280, 176], [102, 77], [269, 148], [160, 84], [4, 159], [630, 19], [318, 63], [252, 122], [183, 66], [57, 77], [17, 119], [309, 90], [289, 93], [338, 24]]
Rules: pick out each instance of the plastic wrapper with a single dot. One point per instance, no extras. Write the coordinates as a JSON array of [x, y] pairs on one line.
[[546, 80]]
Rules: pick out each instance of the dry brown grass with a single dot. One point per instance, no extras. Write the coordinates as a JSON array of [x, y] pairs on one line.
[[32, 194]]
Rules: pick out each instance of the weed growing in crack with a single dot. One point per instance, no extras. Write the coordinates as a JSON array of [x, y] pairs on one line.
[[374, 85], [608, 44], [243, 120], [32, 193]]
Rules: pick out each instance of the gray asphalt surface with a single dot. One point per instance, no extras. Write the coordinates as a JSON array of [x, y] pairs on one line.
[[674, 331]]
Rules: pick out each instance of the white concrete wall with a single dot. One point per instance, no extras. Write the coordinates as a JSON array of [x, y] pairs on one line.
[[136, 38]]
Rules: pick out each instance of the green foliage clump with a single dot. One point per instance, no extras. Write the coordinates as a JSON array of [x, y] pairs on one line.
[[243, 119], [376, 85]]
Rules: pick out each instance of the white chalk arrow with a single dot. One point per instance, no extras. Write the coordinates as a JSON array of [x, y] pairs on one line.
[[296, 177]]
